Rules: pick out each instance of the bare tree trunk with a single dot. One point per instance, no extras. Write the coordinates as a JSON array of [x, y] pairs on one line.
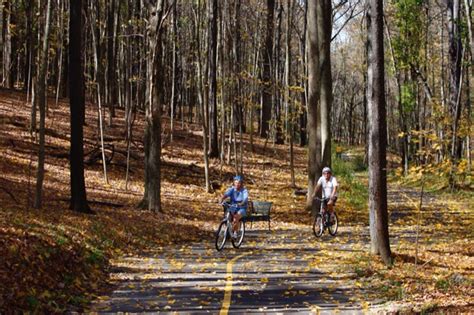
[[34, 61], [277, 107], [455, 59], [212, 53], [201, 98], [287, 89], [468, 7], [77, 105], [222, 60], [324, 38], [255, 89], [130, 119], [379, 235], [61, 50], [7, 45], [304, 82], [98, 77], [267, 83], [314, 110], [29, 8], [42, 107], [2, 25], [174, 78], [111, 95], [155, 82]]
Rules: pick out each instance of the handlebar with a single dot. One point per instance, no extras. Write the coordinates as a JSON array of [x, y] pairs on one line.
[[228, 205], [321, 199]]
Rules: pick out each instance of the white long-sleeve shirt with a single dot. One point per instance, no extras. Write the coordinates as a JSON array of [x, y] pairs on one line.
[[328, 186]]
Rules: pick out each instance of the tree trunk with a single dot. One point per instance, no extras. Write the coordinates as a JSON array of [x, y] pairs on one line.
[[111, 94], [155, 82], [455, 59], [267, 84], [201, 92], [277, 108], [7, 45], [2, 25], [314, 113], [287, 90], [377, 134], [77, 105], [42, 107], [212, 53], [29, 44], [98, 71], [324, 38], [174, 75], [468, 7], [304, 82], [60, 50]]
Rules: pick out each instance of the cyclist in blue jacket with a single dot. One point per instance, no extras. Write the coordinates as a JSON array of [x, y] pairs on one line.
[[238, 196]]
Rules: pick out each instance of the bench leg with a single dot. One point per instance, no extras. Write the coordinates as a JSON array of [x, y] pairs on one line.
[[269, 224]]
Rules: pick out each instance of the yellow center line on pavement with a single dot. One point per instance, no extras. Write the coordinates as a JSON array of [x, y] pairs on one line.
[[228, 286]]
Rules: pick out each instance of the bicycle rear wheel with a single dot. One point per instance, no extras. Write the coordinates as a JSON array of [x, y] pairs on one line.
[[240, 236], [221, 235], [333, 224], [318, 225]]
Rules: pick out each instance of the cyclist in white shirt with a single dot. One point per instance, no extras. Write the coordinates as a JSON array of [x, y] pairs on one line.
[[329, 185]]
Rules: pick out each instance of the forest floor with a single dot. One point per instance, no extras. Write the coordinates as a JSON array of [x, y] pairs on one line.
[[54, 259]]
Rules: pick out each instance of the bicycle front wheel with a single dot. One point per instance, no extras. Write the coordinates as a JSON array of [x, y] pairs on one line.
[[221, 235], [318, 225], [333, 224], [240, 236]]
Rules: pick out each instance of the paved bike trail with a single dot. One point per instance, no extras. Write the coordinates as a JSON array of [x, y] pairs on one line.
[[284, 270]]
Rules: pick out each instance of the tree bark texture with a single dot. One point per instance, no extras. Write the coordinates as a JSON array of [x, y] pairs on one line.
[[77, 105], [324, 21], [42, 107], [213, 129], [267, 83], [377, 134], [314, 110]]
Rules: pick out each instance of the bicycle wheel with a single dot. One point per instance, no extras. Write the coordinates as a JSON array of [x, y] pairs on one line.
[[221, 235], [318, 226], [333, 224], [240, 236]]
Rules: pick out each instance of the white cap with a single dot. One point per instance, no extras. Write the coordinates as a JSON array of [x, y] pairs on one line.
[[327, 170]]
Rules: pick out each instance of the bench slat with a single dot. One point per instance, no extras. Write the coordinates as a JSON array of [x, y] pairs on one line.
[[261, 207]]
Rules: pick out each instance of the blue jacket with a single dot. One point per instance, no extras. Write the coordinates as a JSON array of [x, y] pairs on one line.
[[238, 196]]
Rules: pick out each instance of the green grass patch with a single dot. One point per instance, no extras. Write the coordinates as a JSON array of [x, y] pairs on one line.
[[352, 175], [95, 256]]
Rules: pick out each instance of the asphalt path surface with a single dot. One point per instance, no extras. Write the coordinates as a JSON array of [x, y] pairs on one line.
[[276, 271], [285, 270]]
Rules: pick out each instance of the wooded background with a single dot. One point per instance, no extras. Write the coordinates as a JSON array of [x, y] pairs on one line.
[[293, 72]]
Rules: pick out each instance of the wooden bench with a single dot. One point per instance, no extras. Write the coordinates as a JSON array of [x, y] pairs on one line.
[[258, 211]]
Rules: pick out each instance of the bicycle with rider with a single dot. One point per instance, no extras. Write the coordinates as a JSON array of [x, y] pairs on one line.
[[238, 196], [328, 184]]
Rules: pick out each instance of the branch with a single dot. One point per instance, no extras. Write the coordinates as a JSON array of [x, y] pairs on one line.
[[168, 11], [345, 23], [10, 194], [426, 87]]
